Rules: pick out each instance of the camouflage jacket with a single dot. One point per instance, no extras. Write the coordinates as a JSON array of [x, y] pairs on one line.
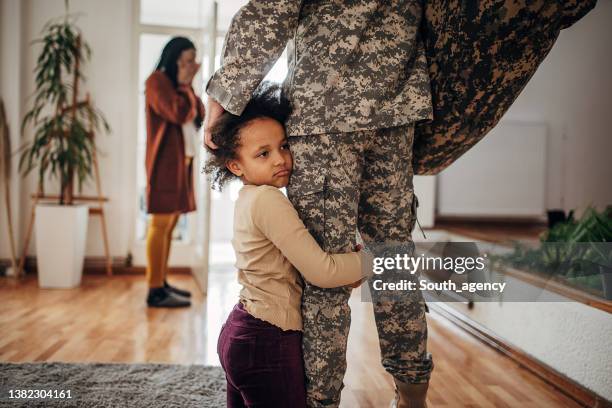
[[353, 65], [453, 66]]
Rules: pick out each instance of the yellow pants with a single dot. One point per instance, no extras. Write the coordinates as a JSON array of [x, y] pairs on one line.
[[159, 239]]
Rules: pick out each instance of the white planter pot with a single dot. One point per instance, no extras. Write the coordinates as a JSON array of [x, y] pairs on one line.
[[61, 232]]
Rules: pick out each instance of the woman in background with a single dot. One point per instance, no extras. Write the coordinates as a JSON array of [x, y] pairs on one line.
[[174, 113]]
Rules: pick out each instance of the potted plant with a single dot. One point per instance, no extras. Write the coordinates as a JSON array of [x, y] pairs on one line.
[[61, 148], [577, 251]]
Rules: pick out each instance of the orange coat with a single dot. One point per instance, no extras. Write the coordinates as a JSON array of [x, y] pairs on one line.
[[169, 178]]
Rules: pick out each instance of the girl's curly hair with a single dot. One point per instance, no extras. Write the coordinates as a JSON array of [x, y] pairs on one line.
[[268, 101]]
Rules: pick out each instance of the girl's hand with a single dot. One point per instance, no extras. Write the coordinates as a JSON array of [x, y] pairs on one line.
[[357, 284]]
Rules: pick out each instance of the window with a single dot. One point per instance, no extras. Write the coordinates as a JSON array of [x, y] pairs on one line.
[[179, 14]]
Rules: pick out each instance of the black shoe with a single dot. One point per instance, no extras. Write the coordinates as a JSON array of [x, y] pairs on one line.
[[177, 291], [160, 297]]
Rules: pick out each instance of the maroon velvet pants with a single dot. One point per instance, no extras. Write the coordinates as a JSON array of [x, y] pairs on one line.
[[263, 364]]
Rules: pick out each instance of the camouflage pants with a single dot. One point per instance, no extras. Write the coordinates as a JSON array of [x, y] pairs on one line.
[[343, 183]]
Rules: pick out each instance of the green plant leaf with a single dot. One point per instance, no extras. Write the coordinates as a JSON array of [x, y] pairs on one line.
[[60, 147]]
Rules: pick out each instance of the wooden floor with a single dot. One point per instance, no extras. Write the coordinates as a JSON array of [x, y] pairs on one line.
[[492, 231], [106, 320]]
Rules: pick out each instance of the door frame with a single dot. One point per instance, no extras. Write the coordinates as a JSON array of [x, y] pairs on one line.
[[194, 252]]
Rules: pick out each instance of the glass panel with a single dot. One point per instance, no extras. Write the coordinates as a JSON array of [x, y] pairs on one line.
[[226, 9], [279, 70], [178, 13]]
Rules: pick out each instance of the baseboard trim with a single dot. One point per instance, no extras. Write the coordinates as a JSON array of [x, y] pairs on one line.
[[493, 219], [563, 384], [96, 265]]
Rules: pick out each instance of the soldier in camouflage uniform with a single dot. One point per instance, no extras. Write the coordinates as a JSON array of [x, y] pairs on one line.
[[360, 81], [357, 81]]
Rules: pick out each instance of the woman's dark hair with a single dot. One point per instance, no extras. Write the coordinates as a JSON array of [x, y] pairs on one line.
[[268, 101], [170, 55], [168, 63]]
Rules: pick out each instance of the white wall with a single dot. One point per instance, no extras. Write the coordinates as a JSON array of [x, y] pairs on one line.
[[11, 43], [571, 93], [488, 182], [107, 26], [570, 337], [226, 11]]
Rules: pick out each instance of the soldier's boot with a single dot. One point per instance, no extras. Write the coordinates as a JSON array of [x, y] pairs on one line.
[[409, 395]]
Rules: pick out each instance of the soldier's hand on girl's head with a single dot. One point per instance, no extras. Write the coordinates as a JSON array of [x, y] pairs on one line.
[[213, 111]]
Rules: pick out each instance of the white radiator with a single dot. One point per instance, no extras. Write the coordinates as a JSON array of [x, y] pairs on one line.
[[504, 175]]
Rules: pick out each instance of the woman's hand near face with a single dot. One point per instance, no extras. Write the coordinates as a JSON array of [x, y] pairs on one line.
[[193, 70], [183, 73], [187, 71], [187, 67]]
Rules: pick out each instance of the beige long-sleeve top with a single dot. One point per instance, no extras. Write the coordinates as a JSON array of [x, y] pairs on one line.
[[272, 245]]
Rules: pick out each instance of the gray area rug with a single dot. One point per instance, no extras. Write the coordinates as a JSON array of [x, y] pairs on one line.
[[115, 385]]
